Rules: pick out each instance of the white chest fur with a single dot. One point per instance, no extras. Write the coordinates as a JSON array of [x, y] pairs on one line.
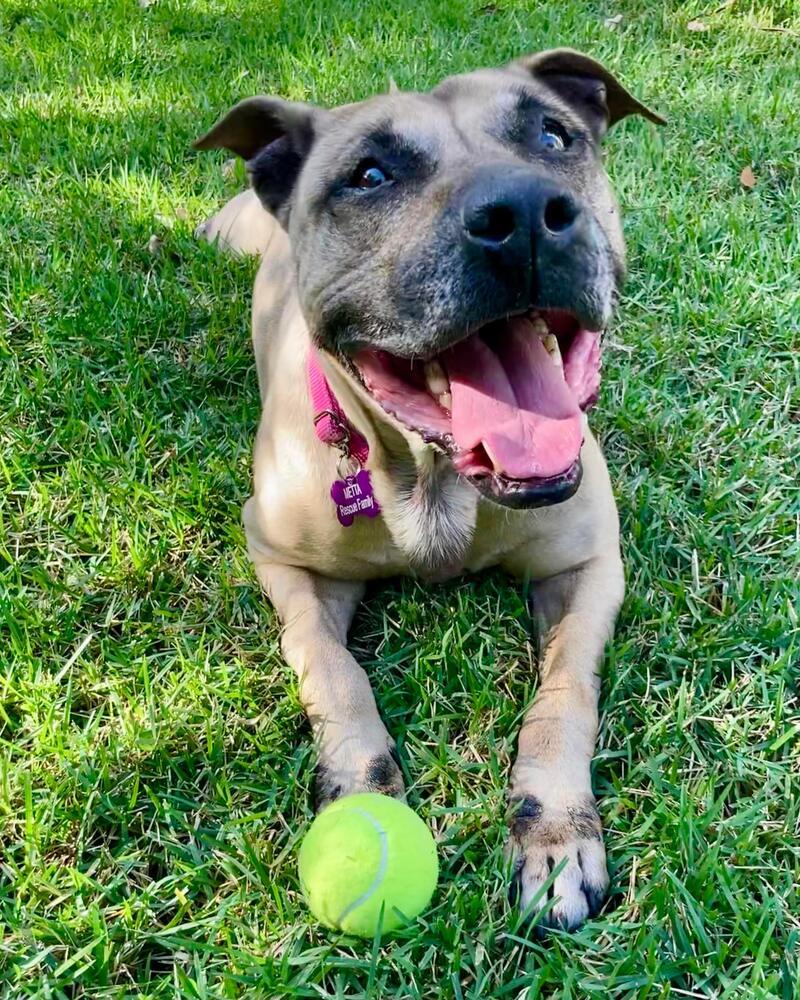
[[433, 515]]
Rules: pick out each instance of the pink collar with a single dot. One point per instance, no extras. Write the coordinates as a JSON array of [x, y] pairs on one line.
[[352, 492], [330, 422]]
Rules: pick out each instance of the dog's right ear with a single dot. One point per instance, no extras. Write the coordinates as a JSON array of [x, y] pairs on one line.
[[274, 137]]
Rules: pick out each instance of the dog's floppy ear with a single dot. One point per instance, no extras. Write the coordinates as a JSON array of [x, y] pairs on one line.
[[586, 84], [274, 136]]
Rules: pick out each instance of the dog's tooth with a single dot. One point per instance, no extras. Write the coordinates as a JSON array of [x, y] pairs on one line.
[[492, 459], [446, 400], [550, 343], [540, 327], [435, 378]]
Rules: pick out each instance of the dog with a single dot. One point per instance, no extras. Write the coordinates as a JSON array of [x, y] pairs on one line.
[[437, 271]]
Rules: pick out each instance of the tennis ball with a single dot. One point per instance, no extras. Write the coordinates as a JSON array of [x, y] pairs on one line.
[[365, 853]]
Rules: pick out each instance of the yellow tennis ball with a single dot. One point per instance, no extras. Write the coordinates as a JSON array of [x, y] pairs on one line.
[[364, 855]]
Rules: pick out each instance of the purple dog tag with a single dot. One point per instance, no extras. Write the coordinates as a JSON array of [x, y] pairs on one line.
[[353, 496]]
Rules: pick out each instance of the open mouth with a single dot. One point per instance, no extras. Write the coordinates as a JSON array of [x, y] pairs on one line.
[[505, 403]]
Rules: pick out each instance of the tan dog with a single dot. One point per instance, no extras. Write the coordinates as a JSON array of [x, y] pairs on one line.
[[451, 260]]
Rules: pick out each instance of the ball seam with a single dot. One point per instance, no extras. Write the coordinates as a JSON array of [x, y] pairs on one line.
[[380, 874]]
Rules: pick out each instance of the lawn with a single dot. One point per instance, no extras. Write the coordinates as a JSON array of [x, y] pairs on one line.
[[154, 758]]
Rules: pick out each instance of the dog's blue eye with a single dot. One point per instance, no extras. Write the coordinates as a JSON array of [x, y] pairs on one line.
[[369, 175], [554, 135]]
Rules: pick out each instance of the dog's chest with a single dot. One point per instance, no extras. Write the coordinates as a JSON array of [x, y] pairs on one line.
[[431, 517]]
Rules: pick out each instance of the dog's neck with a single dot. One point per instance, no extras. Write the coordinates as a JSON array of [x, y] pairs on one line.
[[434, 512], [430, 511]]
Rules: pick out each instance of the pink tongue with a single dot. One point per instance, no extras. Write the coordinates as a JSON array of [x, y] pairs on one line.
[[514, 401]]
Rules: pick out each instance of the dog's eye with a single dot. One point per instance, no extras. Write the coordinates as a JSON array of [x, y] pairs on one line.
[[369, 175], [554, 135]]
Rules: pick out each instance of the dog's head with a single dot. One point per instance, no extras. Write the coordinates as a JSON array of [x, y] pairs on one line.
[[459, 253]]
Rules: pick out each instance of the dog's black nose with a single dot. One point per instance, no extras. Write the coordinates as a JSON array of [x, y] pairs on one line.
[[512, 210]]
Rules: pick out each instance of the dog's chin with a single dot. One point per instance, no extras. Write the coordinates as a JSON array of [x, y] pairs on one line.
[[523, 494], [505, 403]]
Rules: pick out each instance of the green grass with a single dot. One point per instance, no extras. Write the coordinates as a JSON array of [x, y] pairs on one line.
[[154, 759]]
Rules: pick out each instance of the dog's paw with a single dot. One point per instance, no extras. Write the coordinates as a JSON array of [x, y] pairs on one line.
[[568, 839], [377, 773]]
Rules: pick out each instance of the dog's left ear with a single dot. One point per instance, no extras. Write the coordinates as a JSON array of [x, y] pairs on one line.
[[586, 84], [275, 137]]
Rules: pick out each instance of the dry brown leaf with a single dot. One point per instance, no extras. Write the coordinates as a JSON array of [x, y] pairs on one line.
[[697, 26], [154, 244], [747, 178]]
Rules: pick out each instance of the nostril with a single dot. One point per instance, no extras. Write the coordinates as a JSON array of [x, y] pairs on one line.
[[559, 214], [500, 222], [492, 223]]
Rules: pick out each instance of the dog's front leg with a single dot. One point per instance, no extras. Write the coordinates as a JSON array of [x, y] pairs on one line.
[[356, 753], [554, 819]]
